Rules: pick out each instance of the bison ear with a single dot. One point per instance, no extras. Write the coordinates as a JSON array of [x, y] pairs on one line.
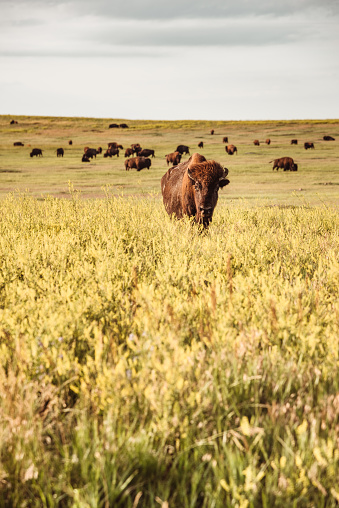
[[190, 175], [223, 182]]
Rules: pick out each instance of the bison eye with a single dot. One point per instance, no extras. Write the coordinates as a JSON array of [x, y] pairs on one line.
[[197, 186]]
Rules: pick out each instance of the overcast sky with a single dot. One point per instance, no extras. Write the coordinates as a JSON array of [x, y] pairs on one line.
[[178, 59]]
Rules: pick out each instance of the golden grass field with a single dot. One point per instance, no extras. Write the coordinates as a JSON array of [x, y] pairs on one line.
[[145, 363]]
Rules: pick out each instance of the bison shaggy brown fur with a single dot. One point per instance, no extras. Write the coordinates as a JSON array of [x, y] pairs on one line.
[[36, 152], [268, 141], [183, 149], [146, 152], [328, 138], [256, 142], [191, 188], [60, 152], [307, 145], [294, 141]]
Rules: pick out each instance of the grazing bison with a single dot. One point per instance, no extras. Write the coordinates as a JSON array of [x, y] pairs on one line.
[[285, 163], [111, 151], [294, 141], [36, 152], [201, 144], [138, 163], [225, 139], [123, 126], [146, 152], [129, 152], [183, 149], [212, 132], [90, 152], [328, 138], [85, 158], [268, 141], [256, 142], [18, 143], [136, 148], [191, 188], [308, 145], [174, 158], [113, 126], [70, 142], [12, 122], [230, 149], [60, 152]]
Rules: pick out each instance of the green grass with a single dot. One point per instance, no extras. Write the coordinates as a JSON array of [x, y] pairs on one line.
[[146, 363]]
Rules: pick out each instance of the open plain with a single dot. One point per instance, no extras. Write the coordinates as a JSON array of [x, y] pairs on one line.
[[145, 362]]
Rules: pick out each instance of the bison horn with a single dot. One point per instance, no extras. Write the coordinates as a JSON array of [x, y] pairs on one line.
[[225, 173]]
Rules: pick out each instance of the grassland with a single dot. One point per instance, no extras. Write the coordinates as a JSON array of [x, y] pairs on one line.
[[144, 363]]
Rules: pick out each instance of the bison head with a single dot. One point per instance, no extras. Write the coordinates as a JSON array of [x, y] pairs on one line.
[[206, 177]]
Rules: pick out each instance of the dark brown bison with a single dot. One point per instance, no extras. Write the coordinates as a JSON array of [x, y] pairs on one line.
[[174, 158], [85, 158], [99, 150], [285, 163], [191, 188], [60, 152], [182, 149], [12, 122], [123, 126], [294, 141], [114, 144], [212, 132], [201, 144], [138, 163], [36, 152], [256, 142], [18, 143], [308, 145], [230, 149], [225, 139], [90, 152], [268, 141], [129, 152], [70, 142], [113, 126], [136, 148], [328, 138], [146, 152], [111, 151]]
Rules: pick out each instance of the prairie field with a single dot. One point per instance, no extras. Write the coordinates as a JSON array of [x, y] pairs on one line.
[[145, 362]]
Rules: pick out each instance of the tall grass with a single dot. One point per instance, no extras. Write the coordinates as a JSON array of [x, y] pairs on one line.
[[147, 363]]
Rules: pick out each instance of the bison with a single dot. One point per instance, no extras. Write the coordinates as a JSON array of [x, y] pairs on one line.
[[182, 149], [212, 132], [308, 145], [294, 141], [85, 158], [138, 163], [113, 126], [146, 152], [12, 122], [256, 142], [174, 158], [328, 138], [225, 139], [99, 150], [230, 149], [201, 144], [111, 151], [268, 141], [123, 126], [60, 152], [70, 142], [18, 143], [129, 152], [36, 152], [114, 144], [285, 163], [191, 188], [90, 152]]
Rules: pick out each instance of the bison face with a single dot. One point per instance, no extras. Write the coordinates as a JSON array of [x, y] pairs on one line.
[[206, 178]]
